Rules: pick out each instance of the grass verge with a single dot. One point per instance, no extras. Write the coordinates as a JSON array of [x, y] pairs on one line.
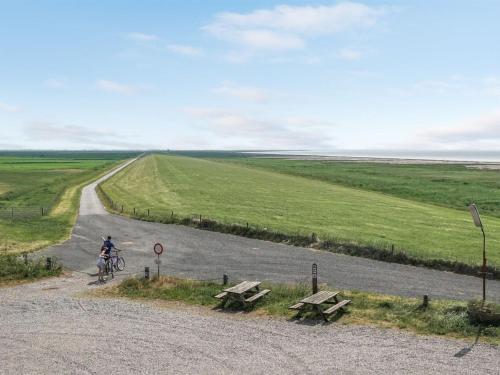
[[442, 317], [36, 233], [14, 269]]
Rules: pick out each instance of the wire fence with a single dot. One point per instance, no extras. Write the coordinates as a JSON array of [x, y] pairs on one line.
[[23, 213], [379, 251]]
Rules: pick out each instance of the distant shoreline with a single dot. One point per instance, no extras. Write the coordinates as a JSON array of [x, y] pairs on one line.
[[493, 162]]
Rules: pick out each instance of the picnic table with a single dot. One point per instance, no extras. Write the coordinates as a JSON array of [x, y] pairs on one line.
[[316, 301], [246, 293]]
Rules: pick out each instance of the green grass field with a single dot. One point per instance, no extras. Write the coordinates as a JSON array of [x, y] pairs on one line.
[[238, 194], [448, 185], [49, 180]]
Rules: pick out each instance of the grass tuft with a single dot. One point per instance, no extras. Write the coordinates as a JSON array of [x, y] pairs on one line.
[[14, 268]]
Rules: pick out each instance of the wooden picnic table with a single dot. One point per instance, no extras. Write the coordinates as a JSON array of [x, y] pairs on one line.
[[317, 300], [246, 292]]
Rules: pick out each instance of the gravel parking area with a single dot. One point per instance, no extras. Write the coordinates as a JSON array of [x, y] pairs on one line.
[[46, 328]]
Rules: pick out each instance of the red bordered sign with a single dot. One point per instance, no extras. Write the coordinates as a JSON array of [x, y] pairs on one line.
[[158, 248]]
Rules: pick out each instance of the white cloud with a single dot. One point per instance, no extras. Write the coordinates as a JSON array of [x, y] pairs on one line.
[[350, 54], [238, 130], [115, 87], [247, 93], [185, 50], [266, 39], [287, 27], [142, 37], [46, 133], [9, 108], [480, 133], [43, 130]]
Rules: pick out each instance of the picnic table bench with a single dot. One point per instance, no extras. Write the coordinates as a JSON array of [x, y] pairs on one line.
[[246, 293], [317, 300]]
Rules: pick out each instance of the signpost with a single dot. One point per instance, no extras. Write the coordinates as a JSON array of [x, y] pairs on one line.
[[158, 249], [477, 222], [315, 278]]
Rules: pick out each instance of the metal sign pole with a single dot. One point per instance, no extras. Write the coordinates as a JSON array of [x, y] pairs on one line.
[[478, 223], [485, 268], [158, 249]]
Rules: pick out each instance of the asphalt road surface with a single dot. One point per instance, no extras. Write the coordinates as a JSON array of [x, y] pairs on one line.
[[200, 254]]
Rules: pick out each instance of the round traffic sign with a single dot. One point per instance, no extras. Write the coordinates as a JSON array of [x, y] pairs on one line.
[[158, 248]]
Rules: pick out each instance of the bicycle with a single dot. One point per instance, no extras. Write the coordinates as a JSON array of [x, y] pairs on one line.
[[108, 267], [118, 261]]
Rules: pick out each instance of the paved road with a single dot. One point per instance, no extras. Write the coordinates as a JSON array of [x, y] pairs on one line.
[[48, 327], [202, 254]]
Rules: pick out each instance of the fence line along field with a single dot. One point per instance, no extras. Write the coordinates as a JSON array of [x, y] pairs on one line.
[[39, 194], [291, 204]]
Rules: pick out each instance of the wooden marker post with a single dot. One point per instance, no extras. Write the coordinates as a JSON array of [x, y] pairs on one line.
[[315, 278]]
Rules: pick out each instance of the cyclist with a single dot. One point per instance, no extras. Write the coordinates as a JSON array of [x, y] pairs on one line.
[[109, 246]]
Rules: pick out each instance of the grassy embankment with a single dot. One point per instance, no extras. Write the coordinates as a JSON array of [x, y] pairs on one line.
[[447, 185], [232, 193], [443, 317], [49, 180]]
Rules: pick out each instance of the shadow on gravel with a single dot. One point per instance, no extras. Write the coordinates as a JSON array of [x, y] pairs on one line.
[[96, 282], [312, 319], [232, 309], [312, 322], [463, 352]]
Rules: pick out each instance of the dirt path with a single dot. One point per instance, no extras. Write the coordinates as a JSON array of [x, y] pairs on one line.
[[49, 328]]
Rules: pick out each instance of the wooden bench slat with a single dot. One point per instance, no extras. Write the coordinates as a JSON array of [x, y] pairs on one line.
[[334, 308], [297, 306], [242, 287], [255, 297], [320, 297], [221, 295]]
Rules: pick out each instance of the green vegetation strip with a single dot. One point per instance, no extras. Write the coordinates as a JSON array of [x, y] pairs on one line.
[[340, 217], [442, 317], [48, 180], [14, 268]]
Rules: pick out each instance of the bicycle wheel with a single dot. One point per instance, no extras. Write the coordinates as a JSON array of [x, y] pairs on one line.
[[120, 264], [109, 268]]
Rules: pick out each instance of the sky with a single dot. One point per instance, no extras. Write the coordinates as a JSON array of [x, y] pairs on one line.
[[226, 74]]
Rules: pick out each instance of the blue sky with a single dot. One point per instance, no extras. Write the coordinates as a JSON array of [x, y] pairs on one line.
[[250, 74]]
